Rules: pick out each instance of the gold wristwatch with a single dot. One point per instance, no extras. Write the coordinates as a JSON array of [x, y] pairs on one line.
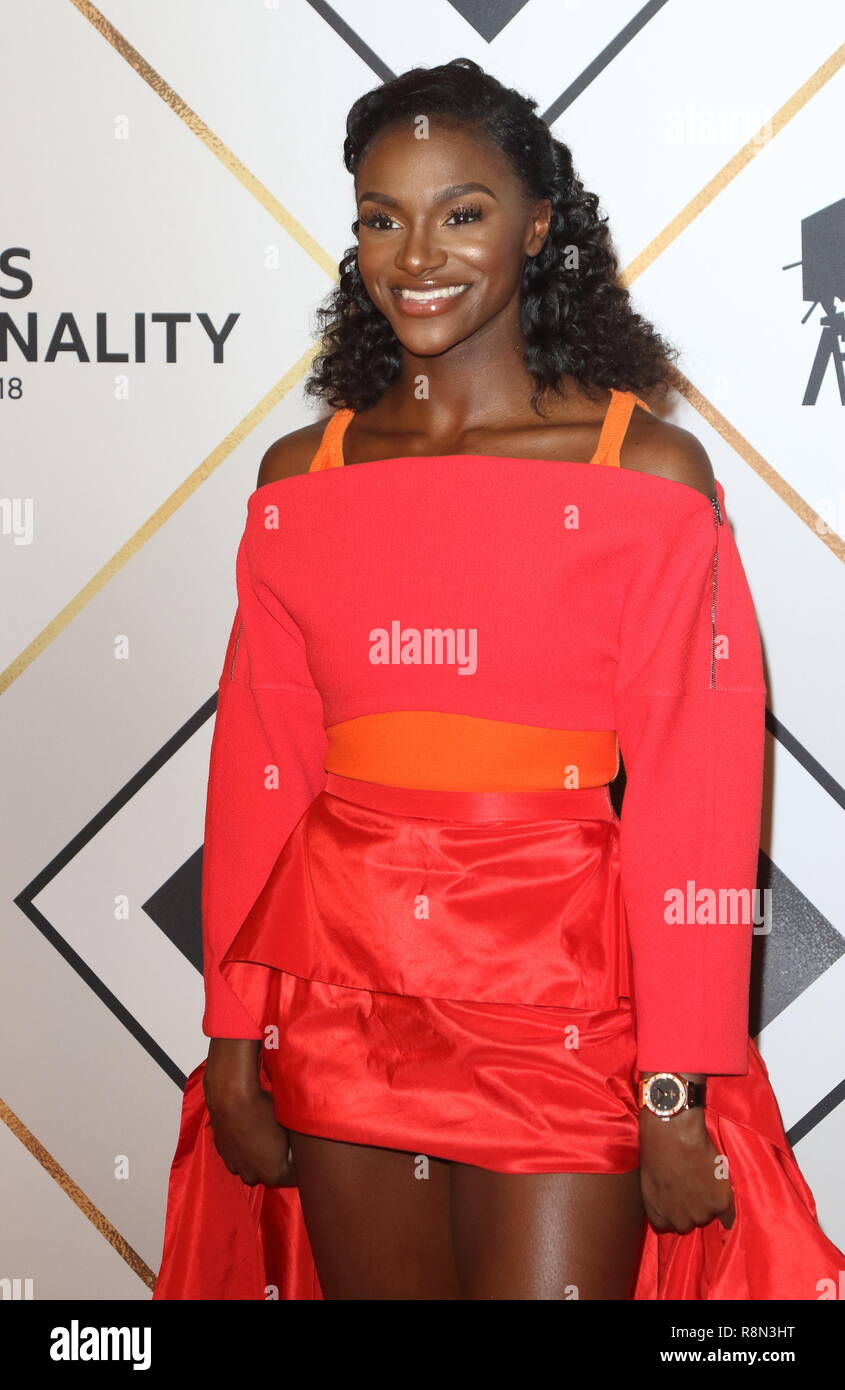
[[666, 1094]]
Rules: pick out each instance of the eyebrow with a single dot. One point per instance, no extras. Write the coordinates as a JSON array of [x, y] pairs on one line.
[[455, 190]]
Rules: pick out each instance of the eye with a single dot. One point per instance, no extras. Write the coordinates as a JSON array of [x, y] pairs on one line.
[[466, 214], [375, 219]]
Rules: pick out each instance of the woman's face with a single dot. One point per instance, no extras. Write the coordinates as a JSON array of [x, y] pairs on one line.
[[445, 220]]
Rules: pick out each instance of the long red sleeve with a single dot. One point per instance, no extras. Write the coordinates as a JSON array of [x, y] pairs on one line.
[[266, 767], [690, 709]]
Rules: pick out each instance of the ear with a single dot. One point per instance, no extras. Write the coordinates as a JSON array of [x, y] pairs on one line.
[[541, 216]]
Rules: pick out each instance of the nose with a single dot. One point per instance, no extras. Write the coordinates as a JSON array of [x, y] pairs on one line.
[[418, 254]]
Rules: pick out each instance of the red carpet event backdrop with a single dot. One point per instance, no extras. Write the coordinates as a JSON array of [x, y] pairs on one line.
[[174, 209]]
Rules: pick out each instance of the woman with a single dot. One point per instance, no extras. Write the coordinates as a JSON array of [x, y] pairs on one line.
[[438, 966]]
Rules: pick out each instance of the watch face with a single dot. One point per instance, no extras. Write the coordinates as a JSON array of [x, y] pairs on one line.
[[665, 1094]]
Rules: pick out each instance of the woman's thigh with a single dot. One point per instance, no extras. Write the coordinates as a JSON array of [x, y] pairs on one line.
[[388, 1224], [546, 1235], [377, 1220]]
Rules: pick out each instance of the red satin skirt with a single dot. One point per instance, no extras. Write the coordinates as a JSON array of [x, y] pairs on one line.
[[449, 973]]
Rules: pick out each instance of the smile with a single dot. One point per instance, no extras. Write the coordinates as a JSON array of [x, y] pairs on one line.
[[423, 296], [428, 303]]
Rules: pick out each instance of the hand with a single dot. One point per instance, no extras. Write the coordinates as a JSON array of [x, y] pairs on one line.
[[252, 1143], [247, 1134], [678, 1174]]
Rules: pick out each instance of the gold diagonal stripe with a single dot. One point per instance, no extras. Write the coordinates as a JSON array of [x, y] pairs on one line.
[[755, 461], [162, 514], [212, 142], [734, 166], [76, 1195]]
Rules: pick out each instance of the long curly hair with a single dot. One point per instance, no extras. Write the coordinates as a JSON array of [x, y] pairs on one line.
[[576, 317]]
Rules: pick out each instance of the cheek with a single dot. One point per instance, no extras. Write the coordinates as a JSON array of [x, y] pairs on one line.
[[495, 258], [370, 260]]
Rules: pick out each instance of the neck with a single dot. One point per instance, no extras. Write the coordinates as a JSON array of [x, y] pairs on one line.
[[480, 382]]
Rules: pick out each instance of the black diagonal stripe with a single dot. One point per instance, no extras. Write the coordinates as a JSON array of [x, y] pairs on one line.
[[103, 993], [24, 899], [818, 1113], [603, 59], [118, 801], [355, 42], [802, 755]]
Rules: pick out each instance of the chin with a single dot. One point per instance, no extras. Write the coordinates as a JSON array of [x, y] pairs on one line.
[[426, 347], [430, 339]]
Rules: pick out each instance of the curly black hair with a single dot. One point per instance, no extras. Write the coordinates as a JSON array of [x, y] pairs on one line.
[[576, 317]]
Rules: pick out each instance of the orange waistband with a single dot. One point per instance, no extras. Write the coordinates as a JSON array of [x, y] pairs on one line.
[[430, 749]]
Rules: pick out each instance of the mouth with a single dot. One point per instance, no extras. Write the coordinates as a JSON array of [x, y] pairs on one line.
[[429, 300]]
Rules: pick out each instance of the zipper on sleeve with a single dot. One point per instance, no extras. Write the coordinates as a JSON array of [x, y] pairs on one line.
[[235, 652], [717, 517]]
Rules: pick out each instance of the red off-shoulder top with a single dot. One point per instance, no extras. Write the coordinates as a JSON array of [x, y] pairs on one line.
[[502, 623]]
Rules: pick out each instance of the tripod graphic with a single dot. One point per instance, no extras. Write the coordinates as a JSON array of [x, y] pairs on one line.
[[823, 262]]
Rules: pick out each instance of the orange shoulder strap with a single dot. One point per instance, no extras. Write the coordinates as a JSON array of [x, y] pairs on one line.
[[615, 425], [330, 450]]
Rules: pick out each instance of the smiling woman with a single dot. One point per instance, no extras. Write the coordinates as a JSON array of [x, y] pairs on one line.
[[527, 235], [434, 948]]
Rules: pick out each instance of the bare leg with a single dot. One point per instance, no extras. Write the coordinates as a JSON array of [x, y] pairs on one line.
[[546, 1235], [385, 1224], [377, 1220]]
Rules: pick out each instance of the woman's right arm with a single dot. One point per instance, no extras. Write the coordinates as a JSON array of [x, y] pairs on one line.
[[266, 766], [268, 751]]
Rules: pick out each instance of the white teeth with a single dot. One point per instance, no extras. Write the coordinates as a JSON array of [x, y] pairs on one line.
[[448, 292]]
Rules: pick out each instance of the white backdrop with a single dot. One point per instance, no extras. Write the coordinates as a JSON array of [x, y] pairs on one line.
[[183, 158]]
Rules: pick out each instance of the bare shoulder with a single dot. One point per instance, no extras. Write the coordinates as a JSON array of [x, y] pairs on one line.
[[652, 445], [292, 454]]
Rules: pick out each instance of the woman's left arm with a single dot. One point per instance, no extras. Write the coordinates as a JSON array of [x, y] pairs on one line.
[[690, 718]]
